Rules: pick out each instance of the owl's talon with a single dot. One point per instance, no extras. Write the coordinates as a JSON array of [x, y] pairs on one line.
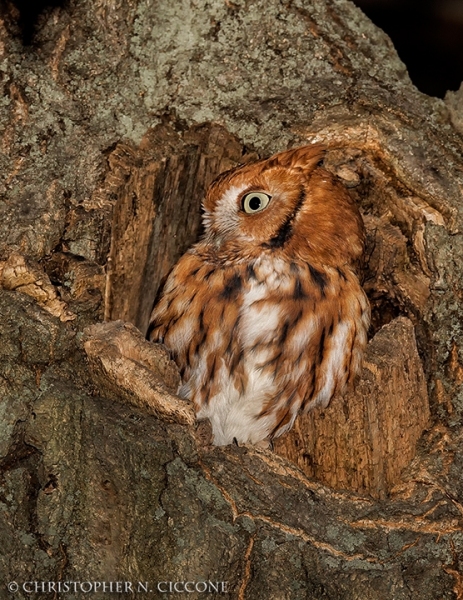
[[264, 444]]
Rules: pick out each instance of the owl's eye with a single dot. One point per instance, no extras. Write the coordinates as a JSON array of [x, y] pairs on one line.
[[255, 202]]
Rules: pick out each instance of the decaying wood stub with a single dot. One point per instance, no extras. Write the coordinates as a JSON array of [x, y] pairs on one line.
[[364, 440]]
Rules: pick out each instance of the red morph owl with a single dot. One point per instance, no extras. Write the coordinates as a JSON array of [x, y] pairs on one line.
[[265, 316]]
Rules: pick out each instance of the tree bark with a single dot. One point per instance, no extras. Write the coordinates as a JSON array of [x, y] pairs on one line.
[[115, 121]]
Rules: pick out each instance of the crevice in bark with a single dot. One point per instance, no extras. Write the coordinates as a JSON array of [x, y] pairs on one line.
[[29, 459], [19, 452]]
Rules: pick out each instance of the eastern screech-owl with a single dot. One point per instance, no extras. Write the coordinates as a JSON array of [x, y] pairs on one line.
[[265, 315]]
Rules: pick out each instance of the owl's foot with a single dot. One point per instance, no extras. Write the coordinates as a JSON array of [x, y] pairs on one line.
[[266, 444], [263, 444]]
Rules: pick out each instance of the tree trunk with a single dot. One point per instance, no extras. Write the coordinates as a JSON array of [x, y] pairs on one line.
[[115, 122]]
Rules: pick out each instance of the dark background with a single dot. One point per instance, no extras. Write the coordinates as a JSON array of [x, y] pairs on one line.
[[428, 35]]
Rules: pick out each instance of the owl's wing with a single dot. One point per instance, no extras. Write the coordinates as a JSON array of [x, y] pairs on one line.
[[196, 319], [177, 295]]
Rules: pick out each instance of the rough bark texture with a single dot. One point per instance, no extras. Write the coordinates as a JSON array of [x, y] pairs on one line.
[[93, 488]]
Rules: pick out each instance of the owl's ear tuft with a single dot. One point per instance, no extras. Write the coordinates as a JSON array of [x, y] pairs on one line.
[[305, 157]]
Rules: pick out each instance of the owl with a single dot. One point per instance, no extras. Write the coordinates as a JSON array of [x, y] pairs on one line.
[[265, 316]]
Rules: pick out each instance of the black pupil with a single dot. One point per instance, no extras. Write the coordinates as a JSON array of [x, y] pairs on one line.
[[254, 203]]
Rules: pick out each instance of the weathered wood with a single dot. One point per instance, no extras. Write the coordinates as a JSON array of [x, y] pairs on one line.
[[124, 363], [17, 273], [158, 189], [364, 440]]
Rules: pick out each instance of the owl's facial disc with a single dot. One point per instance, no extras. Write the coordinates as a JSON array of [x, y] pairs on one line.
[[254, 202]]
